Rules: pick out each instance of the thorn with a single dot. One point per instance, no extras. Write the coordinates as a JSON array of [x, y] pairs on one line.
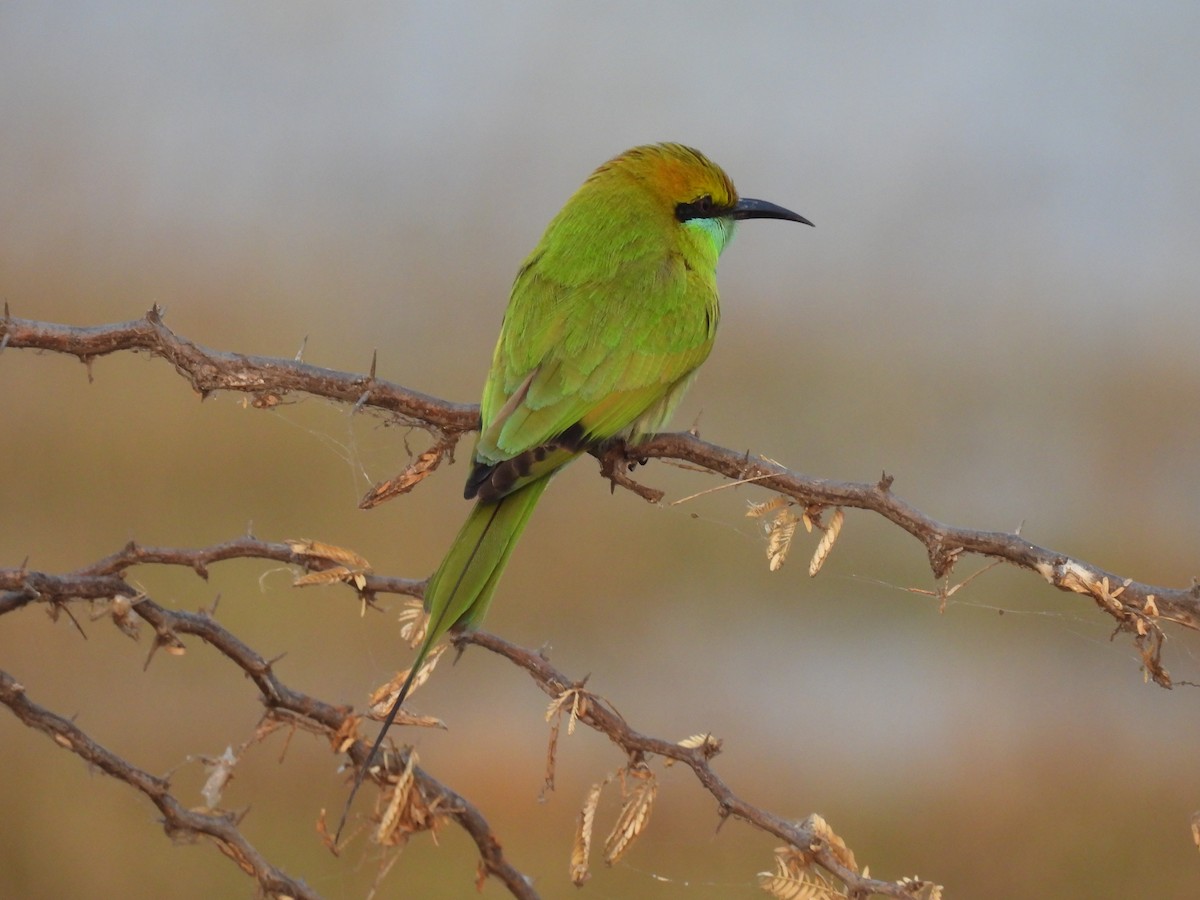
[[885, 482], [360, 402], [461, 641], [724, 813], [300, 352], [374, 360], [75, 622]]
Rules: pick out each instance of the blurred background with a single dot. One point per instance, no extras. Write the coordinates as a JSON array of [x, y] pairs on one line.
[[997, 306]]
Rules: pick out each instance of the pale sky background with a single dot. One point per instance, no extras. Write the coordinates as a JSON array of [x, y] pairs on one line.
[[997, 306]]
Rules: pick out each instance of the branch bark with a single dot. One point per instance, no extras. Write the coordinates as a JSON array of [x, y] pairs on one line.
[[178, 820], [1139, 609], [104, 580], [267, 378]]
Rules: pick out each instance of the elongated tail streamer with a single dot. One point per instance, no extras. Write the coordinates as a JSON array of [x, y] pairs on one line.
[[459, 592]]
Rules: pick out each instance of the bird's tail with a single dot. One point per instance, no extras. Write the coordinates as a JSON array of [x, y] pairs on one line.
[[461, 589]]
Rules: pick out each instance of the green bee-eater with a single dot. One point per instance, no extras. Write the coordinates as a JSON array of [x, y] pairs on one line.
[[607, 321]]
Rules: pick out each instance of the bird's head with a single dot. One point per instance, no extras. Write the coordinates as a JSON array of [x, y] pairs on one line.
[[659, 200], [687, 186]]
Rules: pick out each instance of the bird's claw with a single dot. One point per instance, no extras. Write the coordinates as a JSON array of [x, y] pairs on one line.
[[615, 462]]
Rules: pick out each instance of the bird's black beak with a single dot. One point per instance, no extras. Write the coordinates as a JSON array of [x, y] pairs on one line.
[[746, 208]]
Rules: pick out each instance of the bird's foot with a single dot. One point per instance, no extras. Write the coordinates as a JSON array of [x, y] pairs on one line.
[[616, 461]]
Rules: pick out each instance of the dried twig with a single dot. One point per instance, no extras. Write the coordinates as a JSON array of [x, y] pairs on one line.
[[1139, 609], [178, 820], [270, 378], [103, 580]]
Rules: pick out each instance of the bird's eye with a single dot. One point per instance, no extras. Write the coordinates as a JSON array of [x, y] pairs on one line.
[[700, 208]]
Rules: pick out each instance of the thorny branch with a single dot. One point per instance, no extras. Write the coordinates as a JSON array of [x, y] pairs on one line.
[[178, 821], [636, 745], [104, 580], [1138, 608], [267, 378]]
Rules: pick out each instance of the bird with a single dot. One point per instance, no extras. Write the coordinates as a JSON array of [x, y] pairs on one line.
[[607, 321]]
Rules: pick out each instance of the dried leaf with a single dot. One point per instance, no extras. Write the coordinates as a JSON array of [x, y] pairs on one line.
[[705, 740], [415, 620], [794, 880], [832, 530], [325, 576], [1073, 577], [634, 816], [350, 567], [384, 696], [582, 848], [330, 552], [804, 886], [238, 856], [710, 745], [1196, 829], [819, 827], [402, 809], [220, 771], [121, 610], [343, 739], [397, 799], [779, 538], [404, 718], [416, 472], [578, 699], [758, 510]]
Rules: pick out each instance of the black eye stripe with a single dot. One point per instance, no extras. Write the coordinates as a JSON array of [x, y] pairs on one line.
[[700, 208]]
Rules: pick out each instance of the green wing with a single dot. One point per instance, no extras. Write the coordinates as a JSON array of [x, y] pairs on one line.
[[591, 359]]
